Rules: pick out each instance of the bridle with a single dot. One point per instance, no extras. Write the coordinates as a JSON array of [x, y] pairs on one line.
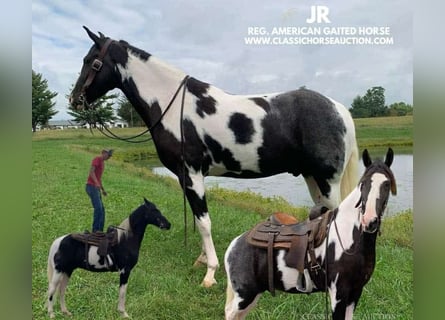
[[96, 65]]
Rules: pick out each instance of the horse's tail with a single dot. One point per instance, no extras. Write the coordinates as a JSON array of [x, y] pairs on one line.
[[349, 179], [51, 265]]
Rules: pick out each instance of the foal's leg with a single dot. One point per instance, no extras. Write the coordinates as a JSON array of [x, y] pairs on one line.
[[123, 282], [52, 287], [196, 196], [62, 288]]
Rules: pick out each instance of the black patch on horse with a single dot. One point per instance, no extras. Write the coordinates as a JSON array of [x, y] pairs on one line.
[[315, 131], [221, 154], [242, 127], [262, 103], [204, 104]]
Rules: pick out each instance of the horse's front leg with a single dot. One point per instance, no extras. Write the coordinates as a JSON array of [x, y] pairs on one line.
[[196, 197], [123, 282]]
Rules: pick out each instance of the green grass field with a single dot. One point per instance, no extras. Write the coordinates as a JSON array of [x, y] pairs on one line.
[[164, 284]]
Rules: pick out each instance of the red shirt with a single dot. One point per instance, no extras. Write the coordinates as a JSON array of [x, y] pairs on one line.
[[99, 164]]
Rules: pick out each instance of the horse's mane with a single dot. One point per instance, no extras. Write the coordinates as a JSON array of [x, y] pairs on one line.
[[138, 52]]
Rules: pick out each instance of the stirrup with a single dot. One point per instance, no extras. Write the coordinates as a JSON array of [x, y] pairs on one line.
[[304, 285]]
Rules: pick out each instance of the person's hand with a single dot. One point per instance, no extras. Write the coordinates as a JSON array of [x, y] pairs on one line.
[[104, 192]]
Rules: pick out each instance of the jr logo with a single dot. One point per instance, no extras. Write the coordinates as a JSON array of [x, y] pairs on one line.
[[319, 14]]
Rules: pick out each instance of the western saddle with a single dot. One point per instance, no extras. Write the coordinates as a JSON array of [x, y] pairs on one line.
[[104, 241], [299, 239]]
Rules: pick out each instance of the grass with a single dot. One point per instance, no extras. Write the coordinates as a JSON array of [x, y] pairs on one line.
[[383, 132], [164, 284]]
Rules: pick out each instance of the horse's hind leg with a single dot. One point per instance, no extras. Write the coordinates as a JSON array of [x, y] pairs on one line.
[[62, 287], [53, 284]]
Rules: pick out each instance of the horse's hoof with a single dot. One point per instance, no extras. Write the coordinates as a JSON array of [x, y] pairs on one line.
[[66, 312], [198, 263], [208, 283], [52, 315]]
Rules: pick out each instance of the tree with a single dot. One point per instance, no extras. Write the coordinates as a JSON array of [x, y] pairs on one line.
[[98, 113], [126, 111], [400, 109], [42, 104], [371, 105]]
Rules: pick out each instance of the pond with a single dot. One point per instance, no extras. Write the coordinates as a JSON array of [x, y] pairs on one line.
[[294, 189]]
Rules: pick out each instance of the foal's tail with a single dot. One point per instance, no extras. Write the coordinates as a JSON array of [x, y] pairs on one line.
[[349, 179]]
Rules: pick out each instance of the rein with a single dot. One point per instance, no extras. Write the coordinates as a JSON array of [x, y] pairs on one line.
[[111, 135]]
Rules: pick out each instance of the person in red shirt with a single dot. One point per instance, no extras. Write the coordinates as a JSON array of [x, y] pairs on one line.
[[94, 188]]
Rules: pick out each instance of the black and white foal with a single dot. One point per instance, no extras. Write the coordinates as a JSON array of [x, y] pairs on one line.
[[67, 254], [351, 239]]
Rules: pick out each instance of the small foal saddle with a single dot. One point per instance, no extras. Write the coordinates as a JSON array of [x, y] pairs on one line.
[[103, 241], [299, 239]]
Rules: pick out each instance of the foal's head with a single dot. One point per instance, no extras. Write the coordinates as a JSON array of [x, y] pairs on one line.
[[147, 214], [375, 185], [153, 216]]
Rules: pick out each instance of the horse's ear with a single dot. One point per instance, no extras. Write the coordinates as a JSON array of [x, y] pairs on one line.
[[366, 158], [389, 157], [92, 36], [146, 202]]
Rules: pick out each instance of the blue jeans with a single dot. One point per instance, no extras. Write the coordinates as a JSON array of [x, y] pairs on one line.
[[99, 210]]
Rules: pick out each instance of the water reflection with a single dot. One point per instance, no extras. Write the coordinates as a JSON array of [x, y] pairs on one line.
[[295, 191]]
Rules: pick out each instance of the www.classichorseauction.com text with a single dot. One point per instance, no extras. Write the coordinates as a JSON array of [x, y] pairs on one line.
[[306, 35]]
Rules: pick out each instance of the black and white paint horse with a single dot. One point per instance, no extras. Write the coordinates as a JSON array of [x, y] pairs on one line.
[[200, 130], [350, 257], [67, 254]]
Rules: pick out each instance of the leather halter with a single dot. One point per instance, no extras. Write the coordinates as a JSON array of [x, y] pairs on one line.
[[96, 66]]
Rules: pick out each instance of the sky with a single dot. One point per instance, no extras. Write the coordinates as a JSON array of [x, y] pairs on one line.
[[208, 40]]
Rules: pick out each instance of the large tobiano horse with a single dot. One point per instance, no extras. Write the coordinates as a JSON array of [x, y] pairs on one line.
[[342, 269], [200, 130], [118, 253]]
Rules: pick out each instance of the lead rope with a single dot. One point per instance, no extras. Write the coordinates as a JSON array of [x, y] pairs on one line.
[[184, 83]]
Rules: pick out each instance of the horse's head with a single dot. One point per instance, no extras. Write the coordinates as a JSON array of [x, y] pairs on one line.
[[98, 74], [375, 185], [153, 216]]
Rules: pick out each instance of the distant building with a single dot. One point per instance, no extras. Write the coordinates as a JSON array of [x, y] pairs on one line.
[[71, 124]]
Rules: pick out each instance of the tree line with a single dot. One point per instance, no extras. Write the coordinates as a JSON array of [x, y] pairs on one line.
[[371, 104]]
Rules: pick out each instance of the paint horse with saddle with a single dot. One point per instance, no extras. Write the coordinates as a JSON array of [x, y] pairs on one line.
[[115, 251], [200, 130], [332, 251]]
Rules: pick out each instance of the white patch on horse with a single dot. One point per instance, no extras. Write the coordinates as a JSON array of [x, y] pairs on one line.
[[93, 259], [216, 125], [156, 81], [333, 292], [349, 311], [370, 211], [345, 228], [289, 275], [197, 182], [123, 229]]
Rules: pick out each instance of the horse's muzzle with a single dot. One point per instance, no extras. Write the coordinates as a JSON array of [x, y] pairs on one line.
[[78, 103], [372, 226]]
